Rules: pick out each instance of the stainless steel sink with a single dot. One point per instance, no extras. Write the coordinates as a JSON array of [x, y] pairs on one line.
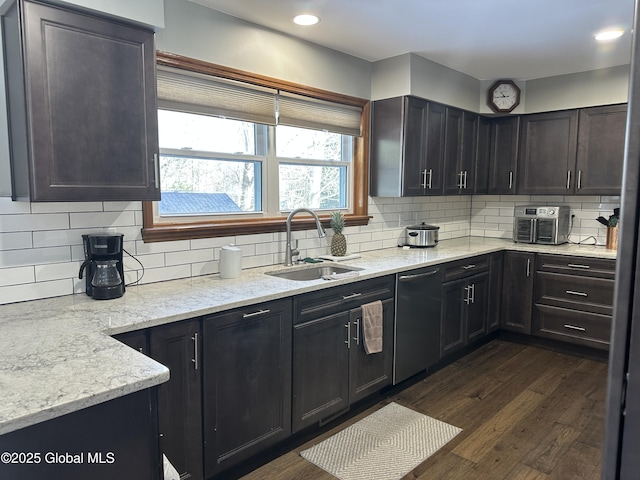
[[315, 272]]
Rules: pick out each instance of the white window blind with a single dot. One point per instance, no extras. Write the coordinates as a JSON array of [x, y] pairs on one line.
[[299, 111], [198, 93]]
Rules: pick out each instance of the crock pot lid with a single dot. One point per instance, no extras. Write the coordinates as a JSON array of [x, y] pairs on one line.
[[424, 226]]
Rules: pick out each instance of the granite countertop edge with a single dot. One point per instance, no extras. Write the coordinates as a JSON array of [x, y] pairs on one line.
[[58, 356]]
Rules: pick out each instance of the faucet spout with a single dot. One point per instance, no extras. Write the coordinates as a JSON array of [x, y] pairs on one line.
[[291, 252]]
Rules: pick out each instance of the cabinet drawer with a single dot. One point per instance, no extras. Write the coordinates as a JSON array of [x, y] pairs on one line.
[[583, 266], [337, 299], [465, 267], [582, 328], [586, 294]]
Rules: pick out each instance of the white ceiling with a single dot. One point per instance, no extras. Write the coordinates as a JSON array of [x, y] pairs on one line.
[[487, 39]]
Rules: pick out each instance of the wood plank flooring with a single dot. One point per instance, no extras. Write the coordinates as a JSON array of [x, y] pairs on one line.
[[527, 414]]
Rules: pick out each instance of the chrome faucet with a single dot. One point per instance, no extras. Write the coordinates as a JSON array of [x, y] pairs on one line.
[[292, 249]]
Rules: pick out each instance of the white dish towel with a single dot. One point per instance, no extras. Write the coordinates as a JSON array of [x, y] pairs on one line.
[[372, 326]]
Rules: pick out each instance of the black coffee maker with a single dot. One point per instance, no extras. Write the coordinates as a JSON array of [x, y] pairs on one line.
[[103, 264]]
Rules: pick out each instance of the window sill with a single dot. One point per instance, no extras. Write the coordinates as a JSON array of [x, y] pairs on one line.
[[169, 232]]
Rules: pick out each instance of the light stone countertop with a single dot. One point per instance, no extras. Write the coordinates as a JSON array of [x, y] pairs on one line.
[[56, 355]]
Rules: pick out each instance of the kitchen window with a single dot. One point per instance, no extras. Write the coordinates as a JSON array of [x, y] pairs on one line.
[[239, 151]]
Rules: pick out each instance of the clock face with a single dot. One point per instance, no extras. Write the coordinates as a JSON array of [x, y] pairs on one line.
[[504, 96]]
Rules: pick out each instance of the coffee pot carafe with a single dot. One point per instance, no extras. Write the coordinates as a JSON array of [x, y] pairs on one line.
[[102, 267]]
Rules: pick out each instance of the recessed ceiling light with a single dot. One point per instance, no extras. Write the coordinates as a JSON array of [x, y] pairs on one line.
[[609, 34], [306, 19]]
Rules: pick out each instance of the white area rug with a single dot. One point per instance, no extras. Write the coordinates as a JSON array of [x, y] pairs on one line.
[[385, 445]]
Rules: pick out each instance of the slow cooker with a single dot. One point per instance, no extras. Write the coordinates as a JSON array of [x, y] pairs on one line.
[[422, 235]]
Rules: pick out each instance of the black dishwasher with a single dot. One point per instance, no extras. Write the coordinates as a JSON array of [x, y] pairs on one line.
[[417, 331]]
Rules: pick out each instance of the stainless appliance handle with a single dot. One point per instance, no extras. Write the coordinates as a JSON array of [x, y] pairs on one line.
[[424, 179], [407, 278], [195, 351], [534, 230], [253, 314], [568, 179], [357, 337]]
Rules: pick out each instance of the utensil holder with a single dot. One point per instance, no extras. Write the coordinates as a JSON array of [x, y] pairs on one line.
[[612, 238]]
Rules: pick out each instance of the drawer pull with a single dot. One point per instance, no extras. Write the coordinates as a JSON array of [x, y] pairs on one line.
[[259, 312], [349, 297], [578, 265], [580, 294], [467, 267], [573, 327]]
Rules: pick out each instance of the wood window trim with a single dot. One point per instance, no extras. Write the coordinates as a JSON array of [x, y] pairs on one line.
[[166, 231]]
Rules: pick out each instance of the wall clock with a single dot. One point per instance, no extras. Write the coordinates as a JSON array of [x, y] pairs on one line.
[[503, 96]]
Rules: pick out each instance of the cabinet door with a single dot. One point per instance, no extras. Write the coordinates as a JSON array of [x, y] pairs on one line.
[[138, 340], [91, 99], [476, 326], [435, 149], [415, 131], [517, 291], [601, 138], [495, 291], [483, 156], [453, 173], [177, 347], [247, 382], [320, 369], [505, 135], [370, 372], [548, 153], [452, 327]]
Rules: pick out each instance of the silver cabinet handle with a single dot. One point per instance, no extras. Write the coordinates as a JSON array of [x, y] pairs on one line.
[[472, 289], [357, 337], [465, 179], [467, 267], [348, 340], [156, 171], [430, 178], [468, 298], [577, 265], [510, 180], [195, 351], [528, 267], [580, 294], [573, 327], [459, 180], [579, 186], [349, 297], [568, 179], [424, 179], [254, 314]]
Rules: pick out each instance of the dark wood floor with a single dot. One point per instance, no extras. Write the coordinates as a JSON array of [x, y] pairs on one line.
[[527, 414]]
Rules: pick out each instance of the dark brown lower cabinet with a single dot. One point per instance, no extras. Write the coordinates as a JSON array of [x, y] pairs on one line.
[[517, 291], [247, 382], [464, 312], [114, 439], [331, 368], [496, 267], [177, 346]]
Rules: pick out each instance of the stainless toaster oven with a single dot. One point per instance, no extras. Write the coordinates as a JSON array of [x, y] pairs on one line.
[[541, 224]]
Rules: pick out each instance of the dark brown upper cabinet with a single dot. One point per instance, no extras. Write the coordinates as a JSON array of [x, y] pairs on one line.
[[461, 143], [548, 153], [503, 156], [81, 96], [407, 147], [483, 156], [601, 138]]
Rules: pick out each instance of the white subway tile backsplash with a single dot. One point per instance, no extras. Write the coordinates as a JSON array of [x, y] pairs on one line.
[[16, 275], [41, 246], [16, 240]]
